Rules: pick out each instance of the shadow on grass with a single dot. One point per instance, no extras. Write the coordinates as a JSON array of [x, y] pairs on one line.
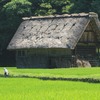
[[89, 80]]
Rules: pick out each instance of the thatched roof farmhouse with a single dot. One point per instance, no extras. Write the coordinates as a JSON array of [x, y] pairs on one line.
[[50, 41]]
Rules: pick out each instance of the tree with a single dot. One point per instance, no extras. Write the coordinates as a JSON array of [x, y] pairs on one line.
[[61, 6], [11, 16], [96, 6], [17, 8], [48, 7], [81, 6], [3, 2]]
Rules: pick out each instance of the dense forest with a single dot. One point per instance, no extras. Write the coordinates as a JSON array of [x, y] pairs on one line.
[[12, 11]]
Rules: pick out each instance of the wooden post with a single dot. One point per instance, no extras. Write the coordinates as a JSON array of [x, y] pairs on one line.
[[98, 53], [98, 56]]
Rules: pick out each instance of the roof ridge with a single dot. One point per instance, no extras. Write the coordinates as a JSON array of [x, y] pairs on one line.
[[57, 16], [93, 14], [90, 14]]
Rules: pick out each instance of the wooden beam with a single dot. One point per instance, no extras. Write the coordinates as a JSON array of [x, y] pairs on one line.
[[89, 31]]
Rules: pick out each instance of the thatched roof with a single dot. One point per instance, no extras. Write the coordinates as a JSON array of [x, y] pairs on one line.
[[60, 31]]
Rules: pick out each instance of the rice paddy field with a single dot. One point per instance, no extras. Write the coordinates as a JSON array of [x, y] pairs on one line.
[[27, 84]]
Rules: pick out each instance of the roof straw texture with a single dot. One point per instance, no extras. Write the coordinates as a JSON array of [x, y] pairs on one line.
[[60, 31]]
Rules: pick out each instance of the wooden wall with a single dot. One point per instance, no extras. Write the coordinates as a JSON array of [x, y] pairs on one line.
[[86, 50], [43, 58], [89, 35]]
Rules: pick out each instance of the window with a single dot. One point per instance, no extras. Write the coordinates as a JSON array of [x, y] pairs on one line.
[[21, 53]]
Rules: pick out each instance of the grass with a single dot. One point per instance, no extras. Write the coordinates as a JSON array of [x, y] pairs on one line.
[[63, 72], [37, 89]]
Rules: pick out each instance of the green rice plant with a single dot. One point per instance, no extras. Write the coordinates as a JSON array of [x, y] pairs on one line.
[[18, 88], [35, 89]]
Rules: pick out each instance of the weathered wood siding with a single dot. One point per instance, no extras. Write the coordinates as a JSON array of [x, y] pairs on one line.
[[43, 58], [89, 35]]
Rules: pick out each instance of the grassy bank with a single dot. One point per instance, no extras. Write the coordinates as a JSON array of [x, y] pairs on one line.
[[63, 72]]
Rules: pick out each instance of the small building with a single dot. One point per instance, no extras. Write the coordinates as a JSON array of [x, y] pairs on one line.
[[52, 41]]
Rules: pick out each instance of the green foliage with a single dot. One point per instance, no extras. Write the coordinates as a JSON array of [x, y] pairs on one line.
[[44, 9], [11, 16], [66, 9], [3, 2], [81, 6], [96, 6], [48, 7], [60, 5], [17, 8]]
